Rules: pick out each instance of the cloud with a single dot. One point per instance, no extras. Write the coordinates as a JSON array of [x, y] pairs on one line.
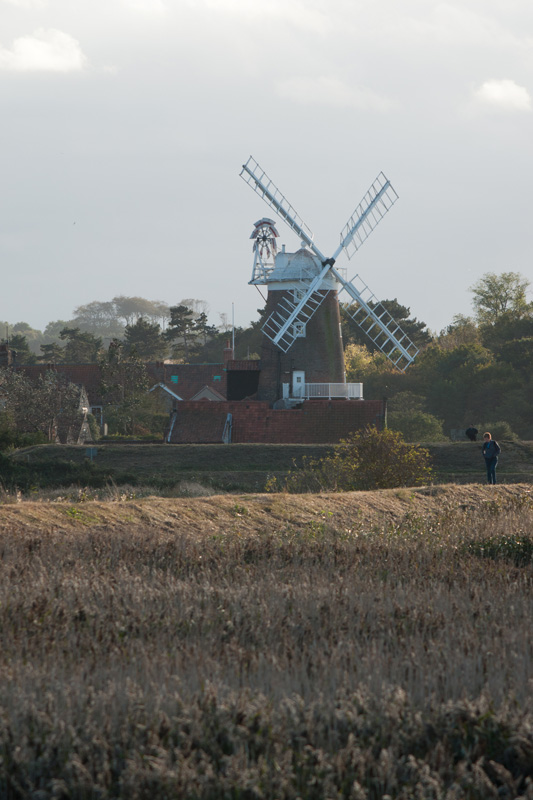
[[27, 3], [503, 95], [44, 51], [146, 6], [333, 92], [299, 14]]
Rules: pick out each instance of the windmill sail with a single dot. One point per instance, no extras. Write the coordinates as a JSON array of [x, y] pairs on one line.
[[259, 181], [378, 324], [377, 201], [281, 326]]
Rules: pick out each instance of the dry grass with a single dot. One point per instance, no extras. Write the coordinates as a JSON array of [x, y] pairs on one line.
[[358, 645]]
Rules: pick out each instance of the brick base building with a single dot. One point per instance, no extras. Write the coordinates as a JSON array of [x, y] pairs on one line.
[[312, 422]]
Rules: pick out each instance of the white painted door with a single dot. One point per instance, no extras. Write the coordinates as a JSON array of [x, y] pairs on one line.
[[298, 383]]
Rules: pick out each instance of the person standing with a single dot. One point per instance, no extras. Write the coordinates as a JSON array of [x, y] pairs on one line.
[[471, 432], [491, 450]]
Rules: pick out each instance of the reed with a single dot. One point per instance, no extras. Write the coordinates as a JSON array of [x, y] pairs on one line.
[[316, 660]]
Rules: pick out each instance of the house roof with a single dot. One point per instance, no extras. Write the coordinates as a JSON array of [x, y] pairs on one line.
[[87, 375], [182, 381], [165, 388], [186, 380], [208, 393]]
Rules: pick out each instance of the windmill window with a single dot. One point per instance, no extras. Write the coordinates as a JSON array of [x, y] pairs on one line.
[[297, 295], [217, 377], [174, 378], [299, 329]]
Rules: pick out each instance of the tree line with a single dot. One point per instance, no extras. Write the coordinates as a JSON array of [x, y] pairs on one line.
[[477, 370], [152, 330]]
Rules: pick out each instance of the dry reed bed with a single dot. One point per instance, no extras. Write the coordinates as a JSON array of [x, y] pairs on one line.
[[268, 647]]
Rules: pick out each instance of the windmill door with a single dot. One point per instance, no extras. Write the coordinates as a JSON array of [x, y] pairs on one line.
[[298, 383]]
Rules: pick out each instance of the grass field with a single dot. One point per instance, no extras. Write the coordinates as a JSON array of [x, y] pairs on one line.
[[238, 467], [364, 645]]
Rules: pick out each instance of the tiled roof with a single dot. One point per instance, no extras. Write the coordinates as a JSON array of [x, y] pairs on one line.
[[87, 375], [187, 380]]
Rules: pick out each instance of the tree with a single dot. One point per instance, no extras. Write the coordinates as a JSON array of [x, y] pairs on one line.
[[45, 405], [181, 330], [360, 362], [51, 353], [462, 330], [145, 339], [203, 328], [415, 330], [125, 382], [81, 347], [98, 318], [19, 344], [500, 295], [53, 329], [130, 309]]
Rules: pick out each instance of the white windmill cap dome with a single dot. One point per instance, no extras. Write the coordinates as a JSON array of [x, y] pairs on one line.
[[295, 266]]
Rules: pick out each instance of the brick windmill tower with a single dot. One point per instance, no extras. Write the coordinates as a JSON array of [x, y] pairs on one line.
[[302, 352]]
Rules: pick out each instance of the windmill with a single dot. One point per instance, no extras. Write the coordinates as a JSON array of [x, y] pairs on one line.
[[304, 290]]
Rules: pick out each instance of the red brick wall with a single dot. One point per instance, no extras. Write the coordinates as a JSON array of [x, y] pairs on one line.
[[319, 354], [316, 422]]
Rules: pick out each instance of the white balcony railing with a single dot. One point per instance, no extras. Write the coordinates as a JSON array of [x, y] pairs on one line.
[[350, 391]]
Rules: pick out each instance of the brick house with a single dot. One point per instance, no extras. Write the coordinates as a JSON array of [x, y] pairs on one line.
[[219, 403]]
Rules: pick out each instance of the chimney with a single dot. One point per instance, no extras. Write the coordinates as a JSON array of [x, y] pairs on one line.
[[228, 353]]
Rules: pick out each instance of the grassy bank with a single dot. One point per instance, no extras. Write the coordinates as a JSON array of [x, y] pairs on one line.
[[362, 645], [238, 467]]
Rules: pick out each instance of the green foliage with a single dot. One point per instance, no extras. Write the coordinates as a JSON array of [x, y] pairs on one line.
[[462, 330], [408, 416], [19, 343], [497, 296], [415, 330], [417, 426], [367, 459], [361, 363], [516, 548], [52, 353], [144, 339], [124, 385], [93, 427], [49, 405], [12, 439], [501, 431], [81, 347]]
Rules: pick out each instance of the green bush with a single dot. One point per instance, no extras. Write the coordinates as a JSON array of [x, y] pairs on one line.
[[367, 459], [11, 439], [417, 426], [500, 430]]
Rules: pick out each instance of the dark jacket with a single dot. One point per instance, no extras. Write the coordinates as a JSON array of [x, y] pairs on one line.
[[491, 449]]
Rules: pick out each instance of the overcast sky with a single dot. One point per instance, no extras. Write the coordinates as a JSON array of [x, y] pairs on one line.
[[124, 125]]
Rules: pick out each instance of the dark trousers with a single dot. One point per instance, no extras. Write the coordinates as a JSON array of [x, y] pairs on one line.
[[491, 469]]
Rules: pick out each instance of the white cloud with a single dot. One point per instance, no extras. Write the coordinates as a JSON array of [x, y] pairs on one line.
[[44, 51], [26, 3], [326, 91], [503, 95], [146, 6], [304, 15]]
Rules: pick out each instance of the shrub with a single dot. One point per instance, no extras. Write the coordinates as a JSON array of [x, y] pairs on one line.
[[11, 439], [367, 459], [417, 426], [500, 430]]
